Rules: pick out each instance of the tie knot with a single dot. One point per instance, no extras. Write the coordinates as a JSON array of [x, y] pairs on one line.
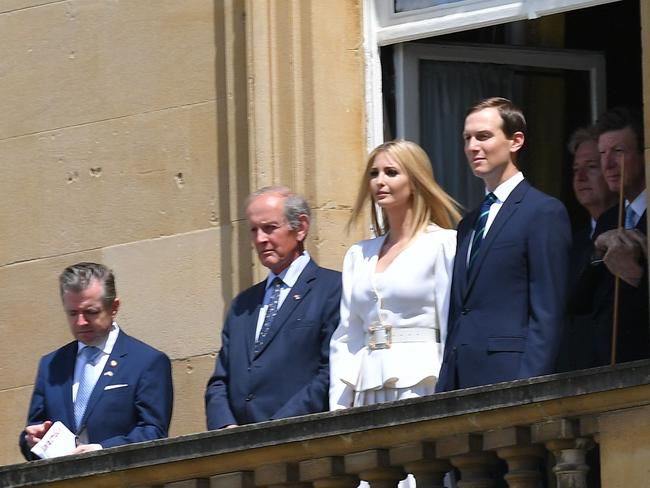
[[90, 354], [630, 217], [277, 282], [490, 198]]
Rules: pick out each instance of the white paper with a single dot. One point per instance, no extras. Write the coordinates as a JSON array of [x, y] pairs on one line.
[[58, 441]]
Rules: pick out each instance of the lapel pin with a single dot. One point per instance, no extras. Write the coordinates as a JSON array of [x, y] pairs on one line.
[[108, 373], [297, 297], [113, 363]]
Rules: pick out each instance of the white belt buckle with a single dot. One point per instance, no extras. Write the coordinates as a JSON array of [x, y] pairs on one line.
[[379, 336]]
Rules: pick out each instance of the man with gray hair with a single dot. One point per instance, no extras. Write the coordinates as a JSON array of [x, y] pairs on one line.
[[274, 358], [106, 387]]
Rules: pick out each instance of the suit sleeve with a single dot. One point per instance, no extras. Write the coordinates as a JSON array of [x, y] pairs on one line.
[[548, 263], [311, 397], [217, 407], [37, 412], [153, 404]]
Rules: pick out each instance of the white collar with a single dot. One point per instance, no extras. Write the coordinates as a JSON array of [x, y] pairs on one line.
[[290, 275], [640, 203], [505, 189]]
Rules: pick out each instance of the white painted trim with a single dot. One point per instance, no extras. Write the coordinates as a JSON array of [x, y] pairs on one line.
[[373, 78], [407, 56]]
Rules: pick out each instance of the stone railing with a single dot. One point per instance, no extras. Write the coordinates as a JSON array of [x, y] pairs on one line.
[[511, 426]]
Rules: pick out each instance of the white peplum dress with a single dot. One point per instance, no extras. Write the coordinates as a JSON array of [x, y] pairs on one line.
[[411, 298]]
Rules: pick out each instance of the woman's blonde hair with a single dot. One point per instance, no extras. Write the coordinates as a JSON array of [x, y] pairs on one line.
[[430, 202]]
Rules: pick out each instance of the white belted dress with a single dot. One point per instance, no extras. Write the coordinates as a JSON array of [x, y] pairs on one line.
[[389, 342]]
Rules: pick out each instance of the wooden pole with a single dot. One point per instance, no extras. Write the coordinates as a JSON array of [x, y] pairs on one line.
[[617, 280]]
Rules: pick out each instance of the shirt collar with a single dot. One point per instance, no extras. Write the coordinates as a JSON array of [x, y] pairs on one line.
[[640, 203], [290, 275], [107, 344], [505, 189]]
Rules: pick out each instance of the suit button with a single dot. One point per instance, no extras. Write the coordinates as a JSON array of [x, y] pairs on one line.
[[464, 311], [249, 398]]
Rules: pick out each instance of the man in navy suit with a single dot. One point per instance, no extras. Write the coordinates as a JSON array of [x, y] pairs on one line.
[[509, 285], [274, 358], [624, 251], [106, 387]]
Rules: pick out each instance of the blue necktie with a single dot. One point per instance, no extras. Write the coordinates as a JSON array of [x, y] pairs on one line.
[[90, 354], [479, 228], [271, 312], [630, 217]]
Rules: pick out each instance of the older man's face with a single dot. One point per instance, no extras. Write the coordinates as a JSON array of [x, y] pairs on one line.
[[89, 318], [615, 147], [277, 245]]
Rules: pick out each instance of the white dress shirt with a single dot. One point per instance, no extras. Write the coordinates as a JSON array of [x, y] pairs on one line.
[[639, 205], [289, 277]]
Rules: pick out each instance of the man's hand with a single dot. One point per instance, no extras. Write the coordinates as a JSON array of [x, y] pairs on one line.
[[34, 433], [624, 254], [81, 448]]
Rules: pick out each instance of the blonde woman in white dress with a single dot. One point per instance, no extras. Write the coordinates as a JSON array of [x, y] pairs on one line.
[[388, 345]]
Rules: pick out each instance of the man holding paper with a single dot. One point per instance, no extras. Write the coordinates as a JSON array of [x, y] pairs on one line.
[[106, 387]]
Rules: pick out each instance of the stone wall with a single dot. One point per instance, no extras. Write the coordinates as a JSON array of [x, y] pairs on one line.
[[131, 133]]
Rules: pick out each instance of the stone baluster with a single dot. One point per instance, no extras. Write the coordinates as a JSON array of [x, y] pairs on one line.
[[327, 472], [563, 438], [465, 452], [239, 479], [374, 467], [420, 460], [282, 475], [514, 446]]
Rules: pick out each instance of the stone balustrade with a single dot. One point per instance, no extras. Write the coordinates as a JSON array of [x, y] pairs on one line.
[[524, 431]]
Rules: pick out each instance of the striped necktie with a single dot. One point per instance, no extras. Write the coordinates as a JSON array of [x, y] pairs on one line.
[[271, 312], [479, 228], [89, 354]]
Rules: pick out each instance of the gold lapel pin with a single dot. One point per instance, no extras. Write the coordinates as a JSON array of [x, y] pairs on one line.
[[113, 363], [108, 373], [297, 297]]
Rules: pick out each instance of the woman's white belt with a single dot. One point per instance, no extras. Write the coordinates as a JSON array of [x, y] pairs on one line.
[[381, 336]]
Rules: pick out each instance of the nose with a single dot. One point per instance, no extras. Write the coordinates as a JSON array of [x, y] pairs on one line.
[[609, 159], [471, 144], [581, 174], [81, 319], [259, 236]]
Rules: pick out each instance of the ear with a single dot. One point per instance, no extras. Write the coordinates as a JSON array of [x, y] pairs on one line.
[[303, 228], [517, 141], [115, 307]]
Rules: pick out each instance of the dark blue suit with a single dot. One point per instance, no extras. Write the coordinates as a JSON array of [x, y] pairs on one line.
[[506, 316], [290, 374], [139, 411]]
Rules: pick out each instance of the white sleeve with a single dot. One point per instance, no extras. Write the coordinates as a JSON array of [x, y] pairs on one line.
[[347, 340], [442, 282]]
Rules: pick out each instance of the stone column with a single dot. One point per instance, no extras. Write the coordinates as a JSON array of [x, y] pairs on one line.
[[283, 475], [374, 467], [465, 451], [420, 460], [562, 438], [326, 472], [513, 445]]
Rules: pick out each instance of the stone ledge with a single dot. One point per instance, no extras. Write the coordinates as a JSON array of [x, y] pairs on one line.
[[472, 410]]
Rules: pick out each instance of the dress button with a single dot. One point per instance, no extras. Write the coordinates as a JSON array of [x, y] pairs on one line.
[[249, 398], [464, 311]]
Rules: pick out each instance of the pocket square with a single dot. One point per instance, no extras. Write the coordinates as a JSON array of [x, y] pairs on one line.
[[112, 387]]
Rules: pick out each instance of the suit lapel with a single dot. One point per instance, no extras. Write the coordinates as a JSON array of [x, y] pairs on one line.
[[114, 364], [250, 322], [296, 295], [69, 361], [506, 211]]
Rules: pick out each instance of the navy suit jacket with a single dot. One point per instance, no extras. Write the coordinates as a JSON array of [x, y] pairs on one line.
[[506, 316], [289, 376], [138, 411]]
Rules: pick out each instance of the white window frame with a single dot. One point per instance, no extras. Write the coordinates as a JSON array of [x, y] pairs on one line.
[[383, 27], [407, 57]]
